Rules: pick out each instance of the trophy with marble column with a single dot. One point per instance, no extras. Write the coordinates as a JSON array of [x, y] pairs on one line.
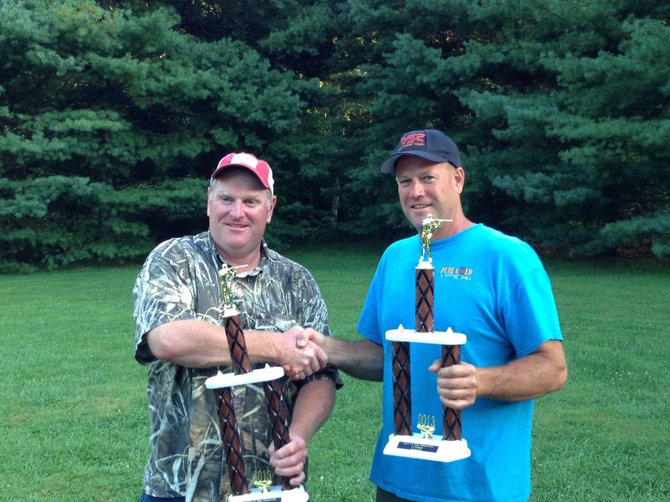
[[230, 433], [420, 443]]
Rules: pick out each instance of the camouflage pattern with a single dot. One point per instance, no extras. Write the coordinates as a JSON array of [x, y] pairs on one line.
[[179, 281]]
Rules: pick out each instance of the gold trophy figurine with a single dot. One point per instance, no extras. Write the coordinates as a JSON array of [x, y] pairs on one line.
[[429, 225]]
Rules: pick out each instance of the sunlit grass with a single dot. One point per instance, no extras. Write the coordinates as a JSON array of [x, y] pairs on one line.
[[74, 423]]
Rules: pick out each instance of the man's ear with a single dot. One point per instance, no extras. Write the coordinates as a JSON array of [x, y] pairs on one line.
[[273, 203], [459, 177]]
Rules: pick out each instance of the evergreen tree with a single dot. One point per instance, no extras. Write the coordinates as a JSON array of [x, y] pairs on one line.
[[561, 109], [129, 103], [112, 114]]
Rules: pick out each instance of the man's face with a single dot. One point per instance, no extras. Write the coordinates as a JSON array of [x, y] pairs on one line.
[[425, 187], [239, 209]]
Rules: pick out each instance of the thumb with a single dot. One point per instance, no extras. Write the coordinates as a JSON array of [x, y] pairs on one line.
[[437, 364], [301, 340]]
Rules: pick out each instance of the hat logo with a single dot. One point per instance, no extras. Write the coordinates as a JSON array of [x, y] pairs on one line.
[[245, 159], [414, 139]]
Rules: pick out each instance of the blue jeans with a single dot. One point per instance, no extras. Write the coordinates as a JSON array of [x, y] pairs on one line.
[[148, 498], [384, 496]]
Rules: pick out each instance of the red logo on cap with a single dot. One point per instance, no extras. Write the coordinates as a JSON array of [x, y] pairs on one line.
[[415, 139]]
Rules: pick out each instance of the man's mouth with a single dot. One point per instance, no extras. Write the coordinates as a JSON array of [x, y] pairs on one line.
[[420, 206]]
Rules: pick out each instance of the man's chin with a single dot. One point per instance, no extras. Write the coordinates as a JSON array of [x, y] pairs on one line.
[[416, 217]]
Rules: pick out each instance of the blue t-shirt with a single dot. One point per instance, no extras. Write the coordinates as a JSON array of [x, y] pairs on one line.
[[494, 289]]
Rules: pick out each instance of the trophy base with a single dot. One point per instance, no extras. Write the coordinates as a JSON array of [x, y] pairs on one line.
[[437, 450], [448, 337], [274, 494], [265, 374]]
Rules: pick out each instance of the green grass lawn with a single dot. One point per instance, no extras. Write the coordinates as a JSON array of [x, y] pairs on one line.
[[74, 423]]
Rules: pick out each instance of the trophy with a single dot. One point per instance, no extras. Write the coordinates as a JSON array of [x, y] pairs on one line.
[[404, 442], [263, 489]]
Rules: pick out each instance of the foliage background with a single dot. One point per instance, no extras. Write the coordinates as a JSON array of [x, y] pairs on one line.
[[113, 114]]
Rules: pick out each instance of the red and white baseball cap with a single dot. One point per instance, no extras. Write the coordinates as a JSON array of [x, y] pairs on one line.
[[257, 166]]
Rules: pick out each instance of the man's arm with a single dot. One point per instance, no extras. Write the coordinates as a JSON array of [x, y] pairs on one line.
[[313, 406], [198, 344], [529, 377], [361, 358]]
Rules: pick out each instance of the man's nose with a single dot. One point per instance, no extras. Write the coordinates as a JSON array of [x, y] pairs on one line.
[[237, 209], [416, 189]]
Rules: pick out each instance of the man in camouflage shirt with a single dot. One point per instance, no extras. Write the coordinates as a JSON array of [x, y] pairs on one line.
[[180, 335]]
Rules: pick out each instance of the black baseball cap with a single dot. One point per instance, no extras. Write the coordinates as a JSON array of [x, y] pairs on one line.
[[428, 144]]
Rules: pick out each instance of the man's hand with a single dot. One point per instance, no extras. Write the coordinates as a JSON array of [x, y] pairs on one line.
[[302, 357], [360, 359], [289, 460], [310, 335], [457, 385]]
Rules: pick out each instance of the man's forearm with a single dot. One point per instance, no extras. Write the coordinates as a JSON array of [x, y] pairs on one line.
[[529, 377], [190, 343], [198, 344], [360, 359], [313, 406]]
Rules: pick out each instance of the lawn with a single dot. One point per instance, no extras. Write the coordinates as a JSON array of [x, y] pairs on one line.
[[73, 418]]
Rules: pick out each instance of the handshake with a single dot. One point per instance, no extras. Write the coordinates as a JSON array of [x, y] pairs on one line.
[[302, 352]]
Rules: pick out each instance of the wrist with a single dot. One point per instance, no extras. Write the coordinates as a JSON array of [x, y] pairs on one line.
[[265, 348]]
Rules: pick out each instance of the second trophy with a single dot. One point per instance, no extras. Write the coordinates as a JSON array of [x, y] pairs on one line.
[[406, 442], [263, 489]]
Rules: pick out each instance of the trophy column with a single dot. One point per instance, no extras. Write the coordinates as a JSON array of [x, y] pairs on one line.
[[451, 354], [278, 418], [402, 410], [277, 411], [230, 433]]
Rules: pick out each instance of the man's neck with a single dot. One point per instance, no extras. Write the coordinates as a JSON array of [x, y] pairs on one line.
[[243, 263], [448, 229]]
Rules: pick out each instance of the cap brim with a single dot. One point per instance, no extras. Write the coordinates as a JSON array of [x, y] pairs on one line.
[[219, 169], [388, 164]]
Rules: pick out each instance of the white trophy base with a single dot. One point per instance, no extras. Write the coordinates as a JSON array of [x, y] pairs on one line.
[[448, 337], [265, 374], [437, 450], [275, 494]]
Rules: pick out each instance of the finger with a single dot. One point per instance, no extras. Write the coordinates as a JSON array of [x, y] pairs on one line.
[[307, 369], [457, 398], [456, 405], [311, 359], [456, 372], [314, 363], [300, 477], [297, 480], [294, 479], [321, 357], [293, 452], [290, 371], [298, 375]]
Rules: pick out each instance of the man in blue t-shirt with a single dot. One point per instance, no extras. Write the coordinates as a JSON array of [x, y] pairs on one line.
[[487, 285]]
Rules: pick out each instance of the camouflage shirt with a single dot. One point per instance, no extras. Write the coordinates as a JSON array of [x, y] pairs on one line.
[[180, 281]]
